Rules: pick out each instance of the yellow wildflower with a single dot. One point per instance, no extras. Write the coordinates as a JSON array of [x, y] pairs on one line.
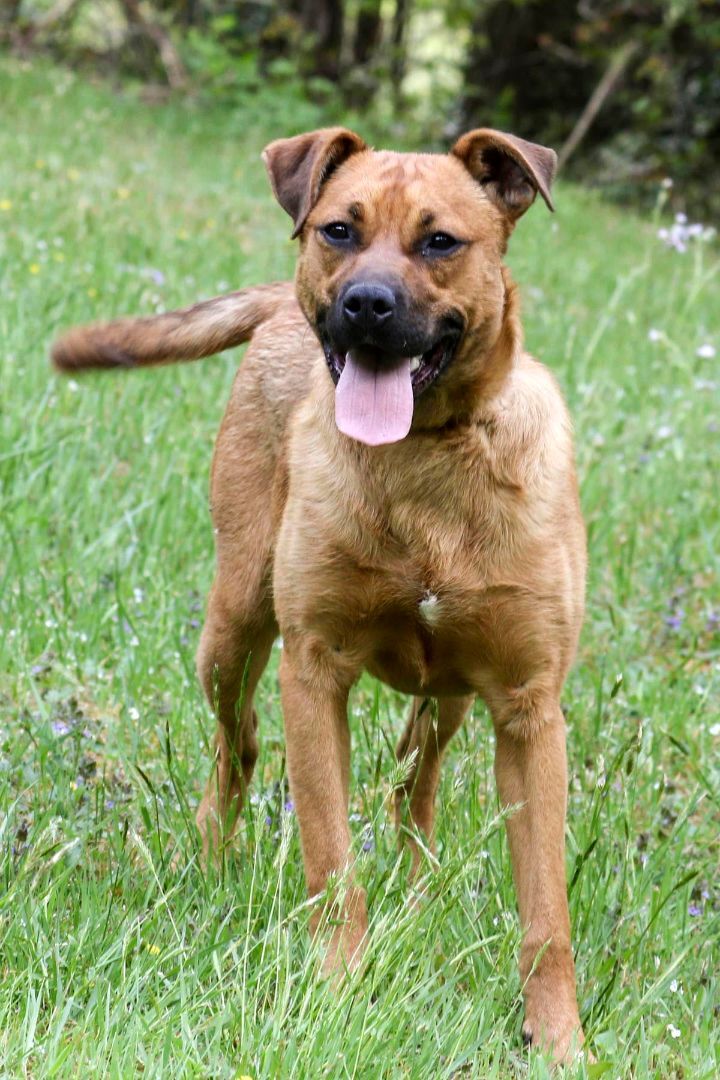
[[5, 204], [34, 268], [123, 193]]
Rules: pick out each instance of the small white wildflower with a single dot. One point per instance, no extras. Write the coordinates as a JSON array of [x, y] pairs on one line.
[[138, 595], [665, 432], [655, 335], [73, 386], [133, 713], [706, 351], [681, 233], [667, 183], [673, 986], [674, 1031], [715, 729]]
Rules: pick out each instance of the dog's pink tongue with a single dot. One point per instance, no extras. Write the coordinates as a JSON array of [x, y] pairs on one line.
[[373, 403]]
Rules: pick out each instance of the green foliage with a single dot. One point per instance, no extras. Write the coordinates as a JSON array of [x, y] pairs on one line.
[[533, 65], [117, 955], [529, 66]]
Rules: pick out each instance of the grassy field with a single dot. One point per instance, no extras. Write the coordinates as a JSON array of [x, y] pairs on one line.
[[117, 956]]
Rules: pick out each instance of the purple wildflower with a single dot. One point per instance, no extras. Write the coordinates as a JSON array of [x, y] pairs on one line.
[[694, 910], [288, 806], [60, 727], [674, 621]]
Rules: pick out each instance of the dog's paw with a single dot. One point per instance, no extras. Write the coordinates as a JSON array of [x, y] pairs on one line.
[[561, 1040]]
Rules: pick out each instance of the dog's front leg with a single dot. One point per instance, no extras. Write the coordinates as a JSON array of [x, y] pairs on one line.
[[318, 758], [531, 771]]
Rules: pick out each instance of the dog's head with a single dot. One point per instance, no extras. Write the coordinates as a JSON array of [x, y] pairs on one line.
[[400, 268]]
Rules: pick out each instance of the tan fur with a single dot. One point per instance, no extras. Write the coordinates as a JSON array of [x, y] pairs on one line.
[[449, 564]]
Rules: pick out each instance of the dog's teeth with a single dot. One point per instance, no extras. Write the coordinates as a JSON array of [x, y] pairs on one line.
[[415, 363]]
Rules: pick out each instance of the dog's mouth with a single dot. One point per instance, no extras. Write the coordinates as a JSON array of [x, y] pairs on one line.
[[424, 369], [376, 390]]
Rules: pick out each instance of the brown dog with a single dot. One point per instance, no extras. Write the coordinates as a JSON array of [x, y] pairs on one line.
[[401, 500]]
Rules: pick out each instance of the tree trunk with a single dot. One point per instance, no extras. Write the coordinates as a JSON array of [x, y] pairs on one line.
[[398, 54], [154, 32], [521, 63], [9, 12], [323, 20], [368, 32]]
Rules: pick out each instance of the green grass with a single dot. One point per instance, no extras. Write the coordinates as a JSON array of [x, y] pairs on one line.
[[117, 956]]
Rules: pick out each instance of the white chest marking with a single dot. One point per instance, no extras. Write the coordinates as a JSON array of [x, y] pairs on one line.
[[430, 608]]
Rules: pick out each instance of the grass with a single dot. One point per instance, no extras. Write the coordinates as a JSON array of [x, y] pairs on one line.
[[117, 956]]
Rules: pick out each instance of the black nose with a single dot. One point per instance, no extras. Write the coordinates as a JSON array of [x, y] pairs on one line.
[[368, 304]]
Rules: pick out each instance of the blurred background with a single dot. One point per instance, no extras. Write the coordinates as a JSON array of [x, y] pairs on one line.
[[628, 91]]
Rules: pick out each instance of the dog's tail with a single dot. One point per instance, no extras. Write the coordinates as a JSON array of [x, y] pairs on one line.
[[188, 334]]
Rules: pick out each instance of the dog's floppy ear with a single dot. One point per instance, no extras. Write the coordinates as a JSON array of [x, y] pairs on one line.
[[510, 169], [299, 167]]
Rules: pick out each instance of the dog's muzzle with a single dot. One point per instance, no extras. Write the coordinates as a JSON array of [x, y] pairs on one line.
[[382, 352]]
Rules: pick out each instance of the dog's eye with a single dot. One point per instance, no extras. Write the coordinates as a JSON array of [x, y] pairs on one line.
[[440, 243], [337, 232]]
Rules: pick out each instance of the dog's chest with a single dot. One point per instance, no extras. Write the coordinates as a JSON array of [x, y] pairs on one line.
[[427, 638], [418, 627], [406, 588]]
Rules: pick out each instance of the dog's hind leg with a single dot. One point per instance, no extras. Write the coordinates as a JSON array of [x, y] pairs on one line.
[[429, 729], [240, 625], [233, 652]]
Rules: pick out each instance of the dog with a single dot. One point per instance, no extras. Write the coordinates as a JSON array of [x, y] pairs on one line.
[[394, 493]]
